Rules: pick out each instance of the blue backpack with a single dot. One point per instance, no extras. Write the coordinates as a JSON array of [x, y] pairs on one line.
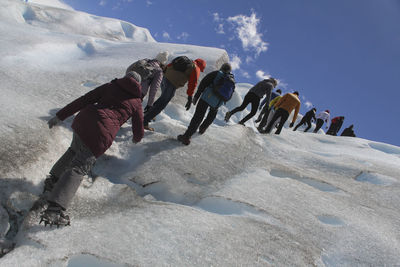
[[224, 85], [220, 91]]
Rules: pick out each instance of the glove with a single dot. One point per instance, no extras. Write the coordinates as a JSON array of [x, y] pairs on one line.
[[147, 108], [189, 103], [195, 99], [53, 122], [291, 124]]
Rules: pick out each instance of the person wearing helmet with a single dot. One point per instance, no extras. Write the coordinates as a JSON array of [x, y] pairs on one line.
[[253, 97], [321, 118], [207, 98]]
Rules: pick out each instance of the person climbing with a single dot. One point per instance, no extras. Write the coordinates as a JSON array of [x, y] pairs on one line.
[[308, 117], [348, 131], [102, 112], [180, 71], [336, 123], [321, 118], [284, 106], [266, 108], [208, 97], [151, 72], [253, 97], [269, 113]]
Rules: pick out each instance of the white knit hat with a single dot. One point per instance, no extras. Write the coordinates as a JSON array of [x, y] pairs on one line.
[[135, 76], [162, 57]]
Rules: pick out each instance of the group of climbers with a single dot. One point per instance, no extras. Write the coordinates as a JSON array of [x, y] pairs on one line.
[[102, 111]]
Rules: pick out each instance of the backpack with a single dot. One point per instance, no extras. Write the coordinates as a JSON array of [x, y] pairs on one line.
[[143, 68], [182, 63], [224, 85]]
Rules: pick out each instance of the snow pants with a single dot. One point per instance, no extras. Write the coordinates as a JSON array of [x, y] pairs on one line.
[[303, 121], [198, 116], [70, 169], [283, 115], [167, 93], [319, 124], [249, 98]]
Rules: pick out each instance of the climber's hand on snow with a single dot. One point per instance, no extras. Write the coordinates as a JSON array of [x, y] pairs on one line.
[[53, 122]]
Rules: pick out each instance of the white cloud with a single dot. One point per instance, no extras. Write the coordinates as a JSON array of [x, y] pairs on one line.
[[308, 104], [166, 35], [216, 17], [262, 75], [235, 62], [149, 3], [246, 74], [249, 59], [102, 3], [183, 36], [246, 30], [220, 29]]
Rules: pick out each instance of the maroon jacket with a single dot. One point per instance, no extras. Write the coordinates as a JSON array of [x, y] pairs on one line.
[[103, 111]]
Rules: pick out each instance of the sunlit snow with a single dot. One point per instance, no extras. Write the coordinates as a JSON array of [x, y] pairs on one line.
[[233, 197]]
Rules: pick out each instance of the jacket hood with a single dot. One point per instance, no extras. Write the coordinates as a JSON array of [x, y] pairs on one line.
[[131, 86], [201, 63]]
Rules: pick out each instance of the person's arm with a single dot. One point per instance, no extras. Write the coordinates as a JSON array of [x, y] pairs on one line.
[[78, 104], [296, 111], [192, 83], [137, 124], [155, 84]]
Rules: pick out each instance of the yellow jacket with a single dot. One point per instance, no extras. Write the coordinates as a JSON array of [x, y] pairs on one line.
[[273, 101], [289, 102]]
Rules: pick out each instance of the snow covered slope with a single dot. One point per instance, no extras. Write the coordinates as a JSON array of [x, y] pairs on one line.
[[232, 198]]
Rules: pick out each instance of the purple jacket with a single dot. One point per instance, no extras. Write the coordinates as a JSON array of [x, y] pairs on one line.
[[103, 111]]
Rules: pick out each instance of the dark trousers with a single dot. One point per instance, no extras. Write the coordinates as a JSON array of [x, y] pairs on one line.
[[319, 124], [304, 121], [249, 98], [167, 93], [76, 162], [198, 116], [283, 115], [264, 114]]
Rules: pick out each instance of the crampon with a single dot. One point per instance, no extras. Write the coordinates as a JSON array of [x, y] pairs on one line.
[[54, 216]]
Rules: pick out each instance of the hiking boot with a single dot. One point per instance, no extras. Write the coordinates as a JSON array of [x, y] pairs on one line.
[[202, 130], [148, 128], [183, 139], [227, 116], [54, 215]]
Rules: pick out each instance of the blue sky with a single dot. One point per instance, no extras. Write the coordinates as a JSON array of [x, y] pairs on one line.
[[341, 55]]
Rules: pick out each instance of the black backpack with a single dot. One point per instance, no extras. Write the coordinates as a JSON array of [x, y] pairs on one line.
[[182, 63], [143, 68]]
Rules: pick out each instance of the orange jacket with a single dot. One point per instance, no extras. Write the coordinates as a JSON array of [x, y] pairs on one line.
[[200, 65], [289, 102]]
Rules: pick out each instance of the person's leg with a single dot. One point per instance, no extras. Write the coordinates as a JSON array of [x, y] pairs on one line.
[[255, 102], [264, 119], [308, 126], [318, 126], [299, 124], [212, 113], [244, 104], [284, 117], [66, 187], [58, 169], [167, 93], [198, 116], [275, 117]]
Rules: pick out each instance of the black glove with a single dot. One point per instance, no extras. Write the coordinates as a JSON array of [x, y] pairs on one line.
[[147, 108], [53, 122], [189, 102], [291, 124], [195, 99]]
